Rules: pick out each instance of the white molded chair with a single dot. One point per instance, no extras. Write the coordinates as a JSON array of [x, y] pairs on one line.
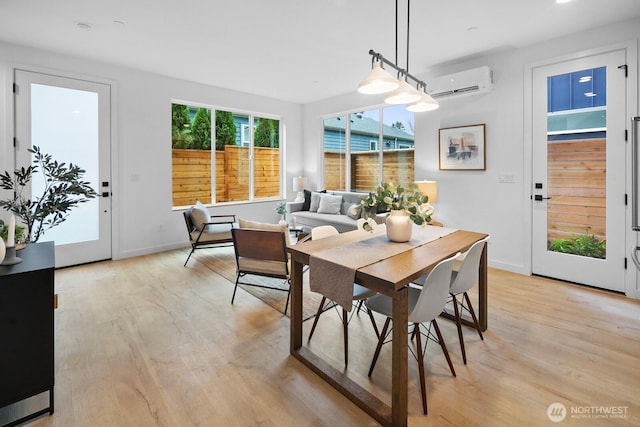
[[425, 305], [462, 281], [360, 293]]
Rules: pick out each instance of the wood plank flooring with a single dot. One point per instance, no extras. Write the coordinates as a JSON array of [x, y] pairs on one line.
[[146, 342]]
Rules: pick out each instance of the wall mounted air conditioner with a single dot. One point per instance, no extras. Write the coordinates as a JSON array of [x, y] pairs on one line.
[[465, 83]]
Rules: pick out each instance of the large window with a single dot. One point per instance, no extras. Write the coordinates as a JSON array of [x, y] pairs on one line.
[[244, 164], [368, 148]]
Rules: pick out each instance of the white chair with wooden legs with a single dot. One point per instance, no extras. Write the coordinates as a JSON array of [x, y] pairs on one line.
[[360, 293], [462, 281], [424, 305]]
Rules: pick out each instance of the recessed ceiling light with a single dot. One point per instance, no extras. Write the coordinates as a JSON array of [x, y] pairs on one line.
[[562, 1], [84, 26]]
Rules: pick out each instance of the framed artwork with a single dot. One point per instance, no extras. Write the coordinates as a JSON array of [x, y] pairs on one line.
[[462, 148]]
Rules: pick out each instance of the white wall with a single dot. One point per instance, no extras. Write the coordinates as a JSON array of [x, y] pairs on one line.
[[475, 200], [143, 219]]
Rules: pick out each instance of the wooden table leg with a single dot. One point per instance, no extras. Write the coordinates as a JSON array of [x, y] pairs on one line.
[[296, 306], [483, 290], [399, 401]]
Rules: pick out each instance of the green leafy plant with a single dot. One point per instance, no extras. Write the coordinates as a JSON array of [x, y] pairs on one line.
[[585, 245], [280, 208], [4, 232], [389, 197], [63, 190]]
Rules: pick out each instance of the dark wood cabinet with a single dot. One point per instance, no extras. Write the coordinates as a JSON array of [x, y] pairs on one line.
[[26, 327]]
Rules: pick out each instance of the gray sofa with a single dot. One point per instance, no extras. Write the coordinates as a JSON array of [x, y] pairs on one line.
[[327, 213]]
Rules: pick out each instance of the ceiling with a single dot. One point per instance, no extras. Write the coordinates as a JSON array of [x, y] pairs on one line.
[[294, 50]]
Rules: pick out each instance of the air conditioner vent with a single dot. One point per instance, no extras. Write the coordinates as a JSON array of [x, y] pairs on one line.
[[470, 82]]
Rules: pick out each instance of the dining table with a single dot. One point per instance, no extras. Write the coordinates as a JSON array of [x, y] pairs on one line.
[[387, 268]]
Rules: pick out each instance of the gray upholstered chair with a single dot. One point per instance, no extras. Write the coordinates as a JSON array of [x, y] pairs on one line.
[[207, 231]]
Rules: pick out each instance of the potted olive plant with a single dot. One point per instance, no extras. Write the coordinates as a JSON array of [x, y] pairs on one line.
[[63, 190], [405, 205]]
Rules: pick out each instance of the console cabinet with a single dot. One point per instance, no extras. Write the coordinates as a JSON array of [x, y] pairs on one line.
[[26, 327]]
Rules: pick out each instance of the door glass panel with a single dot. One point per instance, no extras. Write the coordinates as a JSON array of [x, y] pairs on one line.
[[335, 167], [576, 162], [64, 124]]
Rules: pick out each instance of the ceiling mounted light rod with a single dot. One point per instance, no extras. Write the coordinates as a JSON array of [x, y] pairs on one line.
[[399, 90], [401, 71]]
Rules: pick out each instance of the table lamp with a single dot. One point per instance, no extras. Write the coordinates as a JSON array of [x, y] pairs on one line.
[[298, 186]]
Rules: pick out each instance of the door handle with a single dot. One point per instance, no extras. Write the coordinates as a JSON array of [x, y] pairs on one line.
[[539, 198]]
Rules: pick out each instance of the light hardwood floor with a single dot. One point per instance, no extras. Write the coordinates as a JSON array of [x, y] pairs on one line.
[[145, 342]]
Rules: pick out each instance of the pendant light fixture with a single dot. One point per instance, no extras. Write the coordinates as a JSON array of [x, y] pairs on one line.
[[379, 80]]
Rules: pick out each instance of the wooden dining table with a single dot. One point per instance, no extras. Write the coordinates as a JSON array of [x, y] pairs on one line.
[[389, 276]]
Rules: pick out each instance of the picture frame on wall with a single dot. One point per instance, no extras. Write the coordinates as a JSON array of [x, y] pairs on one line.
[[462, 148]]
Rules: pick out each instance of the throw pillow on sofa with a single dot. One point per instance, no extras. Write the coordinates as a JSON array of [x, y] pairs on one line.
[[355, 211], [330, 204], [315, 201]]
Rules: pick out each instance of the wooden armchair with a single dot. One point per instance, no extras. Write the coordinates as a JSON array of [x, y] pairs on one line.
[[261, 253]]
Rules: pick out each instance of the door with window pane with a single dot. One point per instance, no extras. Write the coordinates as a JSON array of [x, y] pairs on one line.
[[69, 119], [579, 170]]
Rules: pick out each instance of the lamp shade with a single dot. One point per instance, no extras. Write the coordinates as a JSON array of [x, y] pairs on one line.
[[405, 94], [425, 103], [430, 188], [298, 183], [377, 81]]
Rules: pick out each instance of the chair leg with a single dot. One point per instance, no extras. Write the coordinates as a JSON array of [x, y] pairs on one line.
[[473, 315], [235, 288], [444, 346], [373, 323], [423, 385], [286, 304], [459, 326], [379, 346], [190, 253], [315, 321], [345, 329]]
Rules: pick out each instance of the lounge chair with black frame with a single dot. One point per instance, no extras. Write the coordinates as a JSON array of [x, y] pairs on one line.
[[207, 231], [263, 253]]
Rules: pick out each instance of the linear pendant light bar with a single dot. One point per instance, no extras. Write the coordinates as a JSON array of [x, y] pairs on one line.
[[378, 57], [399, 90]]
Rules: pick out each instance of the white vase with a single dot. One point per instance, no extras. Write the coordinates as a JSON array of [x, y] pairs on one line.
[[399, 226], [282, 220], [3, 249]]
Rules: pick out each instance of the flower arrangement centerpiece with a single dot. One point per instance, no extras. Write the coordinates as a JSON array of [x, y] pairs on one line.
[[409, 202]]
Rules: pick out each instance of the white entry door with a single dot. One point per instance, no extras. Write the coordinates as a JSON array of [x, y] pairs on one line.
[[578, 189], [69, 119]]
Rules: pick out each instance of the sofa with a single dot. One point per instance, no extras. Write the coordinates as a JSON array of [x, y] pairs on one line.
[[340, 209]]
